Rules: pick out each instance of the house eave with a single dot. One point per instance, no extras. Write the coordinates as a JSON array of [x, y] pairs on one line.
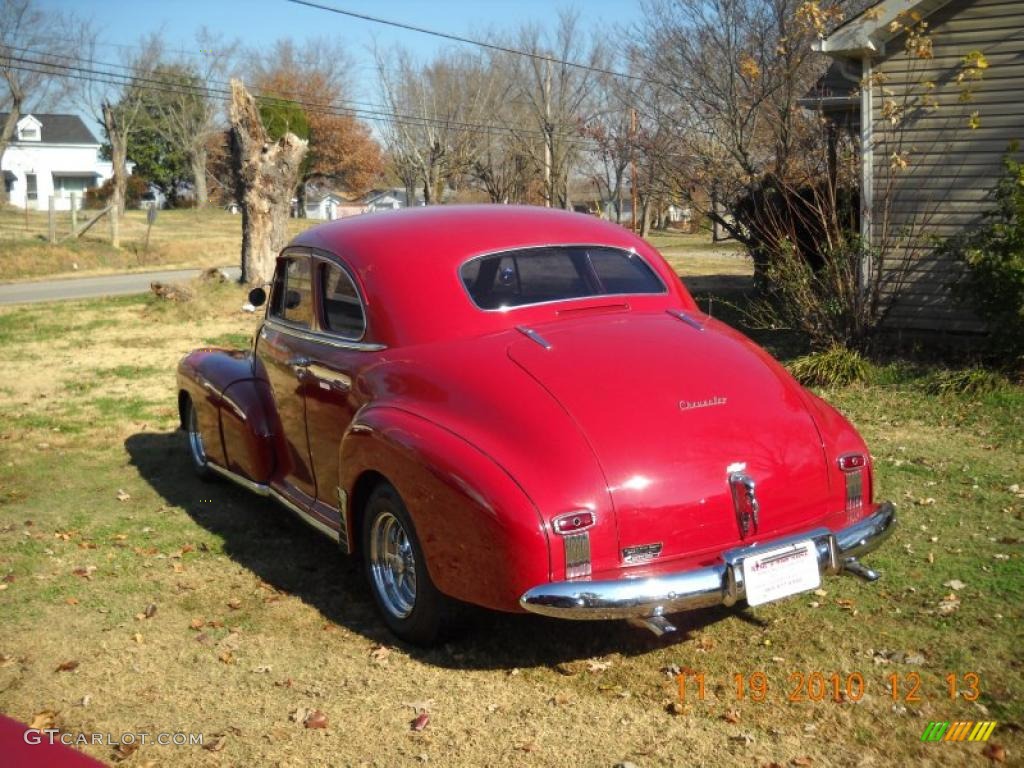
[[868, 33]]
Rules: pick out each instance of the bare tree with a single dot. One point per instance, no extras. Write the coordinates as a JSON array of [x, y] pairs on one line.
[[733, 71], [556, 94], [26, 72], [437, 113], [266, 173]]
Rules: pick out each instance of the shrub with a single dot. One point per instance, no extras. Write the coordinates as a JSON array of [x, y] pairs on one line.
[[99, 197], [836, 366], [965, 381]]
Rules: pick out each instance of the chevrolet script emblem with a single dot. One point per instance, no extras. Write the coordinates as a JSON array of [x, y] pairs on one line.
[[744, 501]]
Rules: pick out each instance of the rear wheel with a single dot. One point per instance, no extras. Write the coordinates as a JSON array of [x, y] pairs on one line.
[[196, 446], [396, 570]]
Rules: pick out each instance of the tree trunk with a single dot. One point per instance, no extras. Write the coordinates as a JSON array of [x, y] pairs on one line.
[[199, 176], [266, 173], [118, 157], [6, 132], [300, 200]]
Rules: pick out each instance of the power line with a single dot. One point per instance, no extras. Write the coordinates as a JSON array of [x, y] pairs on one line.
[[224, 95], [468, 41]]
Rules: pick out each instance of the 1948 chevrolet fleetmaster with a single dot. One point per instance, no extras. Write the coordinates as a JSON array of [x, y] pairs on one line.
[[524, 409]]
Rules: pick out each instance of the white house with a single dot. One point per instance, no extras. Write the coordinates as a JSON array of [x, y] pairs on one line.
[[51, 155], [389, 199]]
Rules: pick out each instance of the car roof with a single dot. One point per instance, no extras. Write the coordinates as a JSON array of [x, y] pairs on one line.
[[407, 262]]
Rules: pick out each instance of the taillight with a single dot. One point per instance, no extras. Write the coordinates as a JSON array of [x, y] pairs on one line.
[[573, 522], [853, 466]]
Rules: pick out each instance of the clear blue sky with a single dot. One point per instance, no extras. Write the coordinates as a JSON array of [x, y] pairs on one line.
[[261, 22]]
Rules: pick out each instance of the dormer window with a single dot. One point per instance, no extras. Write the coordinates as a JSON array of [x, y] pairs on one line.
[[29, 129]]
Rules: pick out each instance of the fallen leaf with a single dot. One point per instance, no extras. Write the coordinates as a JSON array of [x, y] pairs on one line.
[[235, 604], [197, 623], [286, 683], [150, 611], [560, 699], [732, 716], [203, 638], [566, 669], [802, 761], [315, 719], [595, 665], [123, 495], [71, 600], [746, 738], [421, 721], [994, 752], [227, 657], [954, 584], [124, 751], [137, 637], [527, 747], [949, 604], [43, 720], [379, 654], [66, 666], [675, 708], [86, 572], [85, 701], [217, 744]]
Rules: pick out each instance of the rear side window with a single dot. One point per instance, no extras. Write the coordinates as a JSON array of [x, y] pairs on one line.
[[343, 310], [293, 292], [556, 273]]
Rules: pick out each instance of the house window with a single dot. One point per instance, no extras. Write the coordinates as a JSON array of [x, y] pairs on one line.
[[30, 187], [29, 134], [65, 185]]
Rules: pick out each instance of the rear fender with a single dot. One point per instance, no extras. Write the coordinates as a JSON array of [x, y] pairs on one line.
[[483, 538]]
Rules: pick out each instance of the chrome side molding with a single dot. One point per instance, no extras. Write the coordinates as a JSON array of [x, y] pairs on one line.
[[262, 489]]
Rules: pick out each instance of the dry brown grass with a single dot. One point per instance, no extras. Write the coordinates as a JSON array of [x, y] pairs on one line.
[[179, 238], [259, 618]]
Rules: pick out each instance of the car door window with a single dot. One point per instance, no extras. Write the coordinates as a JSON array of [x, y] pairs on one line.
[[342, 308], [293, 292]]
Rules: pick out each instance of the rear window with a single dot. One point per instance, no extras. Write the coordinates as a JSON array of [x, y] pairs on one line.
[[556, 273]]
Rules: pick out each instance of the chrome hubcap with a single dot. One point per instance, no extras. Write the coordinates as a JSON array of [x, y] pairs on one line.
[[195, 438], [393, 565]]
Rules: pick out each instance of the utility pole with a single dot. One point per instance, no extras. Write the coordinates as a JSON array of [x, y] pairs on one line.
[[547, 134], [632, 163]]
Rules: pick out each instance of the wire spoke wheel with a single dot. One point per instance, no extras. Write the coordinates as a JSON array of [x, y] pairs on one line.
[[393, 565]]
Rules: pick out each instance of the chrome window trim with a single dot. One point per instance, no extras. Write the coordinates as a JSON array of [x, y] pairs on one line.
[[321, 258], [286, 254], [516, 249], [319, 337]]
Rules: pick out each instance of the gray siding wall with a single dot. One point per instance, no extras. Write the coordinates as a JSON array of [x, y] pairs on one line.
[[951, 169]]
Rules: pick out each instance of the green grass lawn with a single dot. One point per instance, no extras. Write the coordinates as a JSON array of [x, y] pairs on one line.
[[258, 620]]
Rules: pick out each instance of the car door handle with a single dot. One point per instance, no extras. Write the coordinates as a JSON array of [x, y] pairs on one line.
[[299, 366]]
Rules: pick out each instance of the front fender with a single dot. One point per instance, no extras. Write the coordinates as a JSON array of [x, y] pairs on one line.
[[483, 538], [234, 408]]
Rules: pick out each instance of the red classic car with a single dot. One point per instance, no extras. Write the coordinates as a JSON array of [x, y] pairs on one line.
[[524, 409]]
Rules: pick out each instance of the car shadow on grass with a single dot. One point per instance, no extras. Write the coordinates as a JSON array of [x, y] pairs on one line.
[[282, 551]]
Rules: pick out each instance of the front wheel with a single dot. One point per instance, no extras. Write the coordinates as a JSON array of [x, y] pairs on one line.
[[396, 570], [196, 446]]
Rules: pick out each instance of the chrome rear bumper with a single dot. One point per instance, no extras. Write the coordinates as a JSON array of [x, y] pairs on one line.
[[720, 584]]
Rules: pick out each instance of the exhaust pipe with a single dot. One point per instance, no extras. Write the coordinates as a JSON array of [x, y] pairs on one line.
[[857, 568], [659, 625]]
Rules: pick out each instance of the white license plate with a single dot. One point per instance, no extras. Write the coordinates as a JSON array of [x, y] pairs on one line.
[[778, 573]]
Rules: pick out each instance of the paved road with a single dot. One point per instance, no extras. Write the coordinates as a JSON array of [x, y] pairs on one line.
[[93, 287]]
